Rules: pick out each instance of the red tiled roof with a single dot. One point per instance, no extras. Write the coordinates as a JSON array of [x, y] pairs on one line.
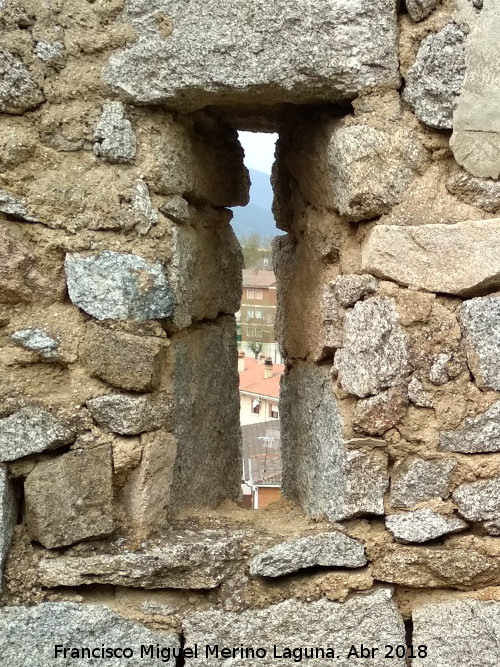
[[258, 278], [252, 379]]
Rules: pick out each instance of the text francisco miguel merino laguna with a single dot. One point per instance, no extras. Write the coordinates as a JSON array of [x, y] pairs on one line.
[[167, 654]]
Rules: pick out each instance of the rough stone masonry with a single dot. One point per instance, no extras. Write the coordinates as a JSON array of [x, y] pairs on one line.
[[120, 277]]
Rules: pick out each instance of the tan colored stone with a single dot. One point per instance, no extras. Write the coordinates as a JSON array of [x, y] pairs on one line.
[[459, 259], [377, 414], [126, 455], [69, 499], [122, 359], [20, 279], [438, 567], [146, 493]]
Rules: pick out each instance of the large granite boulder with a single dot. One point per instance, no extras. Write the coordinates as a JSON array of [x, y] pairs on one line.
[[39, 636], [247, 51], [372, 620]]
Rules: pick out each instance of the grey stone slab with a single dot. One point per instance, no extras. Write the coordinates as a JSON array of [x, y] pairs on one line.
[[206, 415], [434, 81], [460, 259], [479, 501], [418, 395], [246, 52], [458, 633], [371, 169], [36, 340], [184, 559], [422, 525], [119, 286], [420, 9], [374, 355], [416, 479], [319, 472], [29, 635], [476, 126], [480, 324], [128, 414], [351, 288], [477, 434], [18, 90], [372, 620], [30, 431], [332, 549], [114, 137], [377, 414], [70, 498], [8, 515]]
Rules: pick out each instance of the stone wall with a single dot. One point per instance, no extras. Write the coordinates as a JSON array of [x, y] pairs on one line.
[[120, 458]]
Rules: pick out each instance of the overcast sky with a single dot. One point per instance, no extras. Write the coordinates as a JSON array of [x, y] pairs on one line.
[[259, 150]]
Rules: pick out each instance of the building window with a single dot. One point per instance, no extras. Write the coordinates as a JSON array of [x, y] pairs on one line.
[[273, 411], [258, 333], [256, 406], [250, 314], [258, 294], [258, 314], [251, 294]]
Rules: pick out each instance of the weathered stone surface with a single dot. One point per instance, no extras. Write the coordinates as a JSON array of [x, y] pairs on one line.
[[326, 549], [146, 493], [70, 498], [418, 395], [8, 515], [124, 360], [480, 324], [437, 567], [189, 559], [459, 259], [205, 419], [39, 629], [479, 501], [119, 286], [422, 525], [376, 414], [371, 169], [204, 272], [370, 619], [375, 352], [142, 203], [18, 91], [176, 208], [492, 527], [420, 9], [130, 414], [14, 207], [200, 158], [416, 480], [476, 128], [477, 434], [481, 192], [30, 431], [458, 633], [434, 81], [36, 340], [351, 288], [114, 138], [20, 279], [318, 471], [247, 52]]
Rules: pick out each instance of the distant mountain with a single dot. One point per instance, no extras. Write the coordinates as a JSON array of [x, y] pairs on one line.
[[256, 218]]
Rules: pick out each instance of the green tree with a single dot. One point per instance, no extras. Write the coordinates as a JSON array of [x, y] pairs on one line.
[[255, 249], [256, 348]]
